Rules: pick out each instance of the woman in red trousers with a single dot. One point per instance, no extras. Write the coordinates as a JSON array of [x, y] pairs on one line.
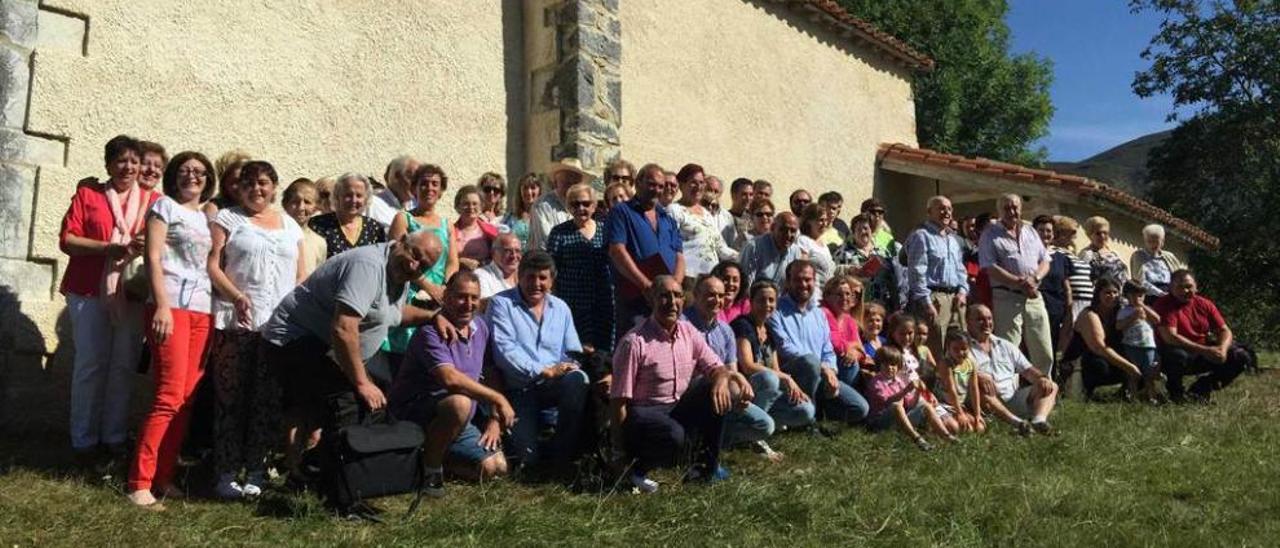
[[178, 321]]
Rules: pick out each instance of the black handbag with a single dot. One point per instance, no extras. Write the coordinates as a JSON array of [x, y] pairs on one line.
[[363, 461]]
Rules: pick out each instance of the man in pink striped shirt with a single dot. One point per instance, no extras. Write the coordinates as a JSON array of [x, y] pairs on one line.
[[655, 396]]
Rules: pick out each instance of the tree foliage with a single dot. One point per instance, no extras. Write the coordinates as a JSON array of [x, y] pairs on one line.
[[980, 100], [1221, 166]]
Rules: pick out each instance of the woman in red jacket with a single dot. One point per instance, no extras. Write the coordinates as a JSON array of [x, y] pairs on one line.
[[103, 232]]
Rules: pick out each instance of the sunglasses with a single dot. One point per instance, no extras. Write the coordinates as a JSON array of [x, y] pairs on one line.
[[620, 178], [493, 189], [764, 214], [581, 203]]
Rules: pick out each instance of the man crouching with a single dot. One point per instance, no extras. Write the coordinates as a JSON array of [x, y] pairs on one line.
[[655, 396], [438, 387]]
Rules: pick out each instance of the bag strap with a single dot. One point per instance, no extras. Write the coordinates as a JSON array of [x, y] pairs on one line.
[[420, 478]]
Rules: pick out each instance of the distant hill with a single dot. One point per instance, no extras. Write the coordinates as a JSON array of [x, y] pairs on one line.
[[1124, 166]]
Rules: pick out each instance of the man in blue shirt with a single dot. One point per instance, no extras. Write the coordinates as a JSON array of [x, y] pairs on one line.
[[800, 331], [533, 335], [937, 284], [766, 256], [644, 242]]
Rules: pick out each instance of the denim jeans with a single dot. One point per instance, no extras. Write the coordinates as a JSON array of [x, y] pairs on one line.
[[568, 394], [770, 408], [106, 356], [847, 405]]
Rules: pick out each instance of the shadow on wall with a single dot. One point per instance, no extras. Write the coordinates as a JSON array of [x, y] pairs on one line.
[[514, 82], [787, 14], [34, 382]]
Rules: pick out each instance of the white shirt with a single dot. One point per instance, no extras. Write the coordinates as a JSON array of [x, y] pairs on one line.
[[262, 263], [1005, 363], [186, 252], [492, 280], [385, 206], [818, 254], [548, 211], [704, 246]]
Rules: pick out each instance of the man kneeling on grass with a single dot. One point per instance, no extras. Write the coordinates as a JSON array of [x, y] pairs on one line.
[[1000, 364], [655, 397], [438, 387]]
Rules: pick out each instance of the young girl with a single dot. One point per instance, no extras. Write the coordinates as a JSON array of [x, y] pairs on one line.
[[902, 336], [895, 400], [1139, 344], [872, 331], [957, 384]]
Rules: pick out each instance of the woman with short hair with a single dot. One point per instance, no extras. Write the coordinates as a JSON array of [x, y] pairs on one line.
[[762, 211], [704, 246], [493, 197], [1096, 342], [1103, 261], [736, 302], [581, 254], [228, 166], [517, 220], [154, 158], [102, 232], [348, 226], [872, 265], [431, 182], [475, 235], [1153, 265], [179, 319], [814, 220], [256, 259]]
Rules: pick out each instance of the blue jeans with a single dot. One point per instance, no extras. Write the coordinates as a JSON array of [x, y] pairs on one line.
[[568, 394], [847, 405], [770, 408], [1144, 358]]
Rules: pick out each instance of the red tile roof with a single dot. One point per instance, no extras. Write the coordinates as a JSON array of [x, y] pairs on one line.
[[858, 31], [1075, 184]]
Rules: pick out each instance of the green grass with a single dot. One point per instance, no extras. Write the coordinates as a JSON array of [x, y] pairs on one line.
[[1117, 475]]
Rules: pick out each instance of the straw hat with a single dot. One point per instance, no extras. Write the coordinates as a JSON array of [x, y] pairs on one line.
[[569, 164]]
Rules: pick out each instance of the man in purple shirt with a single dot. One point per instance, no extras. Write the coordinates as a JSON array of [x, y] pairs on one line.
[[666, 379], [643, 242], [438, 387], [1016, 261]]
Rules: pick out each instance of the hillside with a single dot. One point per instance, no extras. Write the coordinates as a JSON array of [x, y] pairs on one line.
[[1123, 166]]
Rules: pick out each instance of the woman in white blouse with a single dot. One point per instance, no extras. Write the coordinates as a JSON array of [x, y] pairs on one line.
[[178, 320], [255, 261], [704, 246], [814, 220]]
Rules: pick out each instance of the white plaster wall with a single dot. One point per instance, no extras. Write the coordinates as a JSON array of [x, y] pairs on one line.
[[742, 92]]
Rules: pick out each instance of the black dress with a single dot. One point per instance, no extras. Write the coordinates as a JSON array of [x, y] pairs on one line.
[[335, 242]]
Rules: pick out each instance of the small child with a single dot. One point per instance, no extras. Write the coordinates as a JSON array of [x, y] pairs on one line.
[[902, 336], [872, 330], [957, 385], [928, 365], [1136, 320], [895, 400]]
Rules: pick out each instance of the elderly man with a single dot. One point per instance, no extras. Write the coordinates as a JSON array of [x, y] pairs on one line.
[[803, 338], [1197, 341], [999, 366], [799, 200], [711, 201], [1015, 260], [937, 283], [655, 396], [325, 333], [500, 274], [741, 192], [644, 242], [766, 256], [533, 337], [398, 196], [439, 386], [550, 209]]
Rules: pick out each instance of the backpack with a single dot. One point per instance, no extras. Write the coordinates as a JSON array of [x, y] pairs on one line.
[[363, 461]]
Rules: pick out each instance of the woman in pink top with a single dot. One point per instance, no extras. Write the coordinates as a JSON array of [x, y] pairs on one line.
[[475, 235], [102, 232], [839, 296], [737, 303]]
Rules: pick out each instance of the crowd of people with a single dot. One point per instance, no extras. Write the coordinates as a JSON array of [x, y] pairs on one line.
[[648, 316]]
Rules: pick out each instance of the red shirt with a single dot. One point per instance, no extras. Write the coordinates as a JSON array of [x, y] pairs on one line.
[[89, 216], [1194, 319]]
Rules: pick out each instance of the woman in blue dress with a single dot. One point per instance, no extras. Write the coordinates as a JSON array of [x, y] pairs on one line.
[[582, 270]]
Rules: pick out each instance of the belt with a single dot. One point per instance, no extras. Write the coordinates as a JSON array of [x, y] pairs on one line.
[[944, 289]]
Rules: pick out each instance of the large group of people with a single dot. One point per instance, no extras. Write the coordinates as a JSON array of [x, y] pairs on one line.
[[645, 318]]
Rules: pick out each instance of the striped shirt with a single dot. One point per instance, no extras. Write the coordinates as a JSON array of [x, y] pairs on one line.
[[1081, 285]]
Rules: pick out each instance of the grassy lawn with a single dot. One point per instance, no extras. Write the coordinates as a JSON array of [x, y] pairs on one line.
[[1117, 475]]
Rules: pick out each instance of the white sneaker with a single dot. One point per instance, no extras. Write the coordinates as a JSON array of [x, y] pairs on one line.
[[643, 484], [228, 488], [250, 490], [253, 484]]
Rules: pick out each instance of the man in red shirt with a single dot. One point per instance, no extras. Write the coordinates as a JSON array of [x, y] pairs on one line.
[[1195, 341]]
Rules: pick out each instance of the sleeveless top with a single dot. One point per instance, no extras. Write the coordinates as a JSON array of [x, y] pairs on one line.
[[397, 336], [1077, 348]]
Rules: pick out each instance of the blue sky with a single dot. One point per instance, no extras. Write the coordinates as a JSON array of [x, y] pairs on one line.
[[1094, 45]]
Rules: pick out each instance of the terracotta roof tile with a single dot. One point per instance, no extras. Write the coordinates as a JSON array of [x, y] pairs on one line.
[[1081, 186], [862, 32]]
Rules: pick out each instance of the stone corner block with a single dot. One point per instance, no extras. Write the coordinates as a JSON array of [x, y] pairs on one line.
[[19, 22]]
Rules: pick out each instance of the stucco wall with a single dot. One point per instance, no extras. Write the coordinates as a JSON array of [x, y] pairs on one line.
[[765, 96], [316, 88]]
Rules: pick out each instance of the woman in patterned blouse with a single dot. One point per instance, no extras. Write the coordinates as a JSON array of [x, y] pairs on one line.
[[582, 269], [347, 227]]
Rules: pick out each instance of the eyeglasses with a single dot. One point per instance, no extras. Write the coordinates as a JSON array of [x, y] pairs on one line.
[[624, 178], [197, 173], [581, 203], [876, 211]]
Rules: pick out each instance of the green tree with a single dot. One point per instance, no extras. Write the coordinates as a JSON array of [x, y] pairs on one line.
[[1221, 166], [979, 100]]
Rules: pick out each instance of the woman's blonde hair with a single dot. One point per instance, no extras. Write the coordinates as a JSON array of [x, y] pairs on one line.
[[1096, 223], [579, 189]]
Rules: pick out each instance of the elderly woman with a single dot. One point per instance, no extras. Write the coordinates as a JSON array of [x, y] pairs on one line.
[[256, 259], [1153, 266], [431, 182], [873, 265], [493, 197], [102, 232], [324, 194], [177, 252], [621, 172], [704, 246], [1081, 287], [1097, 342], [814, 220], [475, 235], [582, 262], [1103, 261], [516, 221], [348, 226]]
